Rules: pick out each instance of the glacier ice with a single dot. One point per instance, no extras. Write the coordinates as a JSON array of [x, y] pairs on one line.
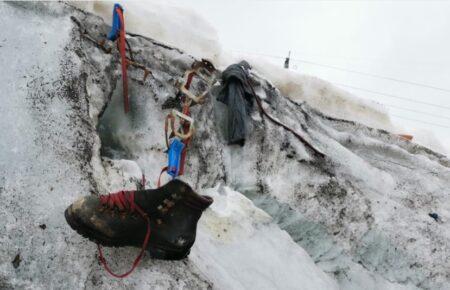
[[361, 215]]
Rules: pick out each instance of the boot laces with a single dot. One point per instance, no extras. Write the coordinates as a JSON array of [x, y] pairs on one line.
[[123, 200]]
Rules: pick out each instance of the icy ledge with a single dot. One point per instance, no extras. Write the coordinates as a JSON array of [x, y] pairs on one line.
[[238, 247]]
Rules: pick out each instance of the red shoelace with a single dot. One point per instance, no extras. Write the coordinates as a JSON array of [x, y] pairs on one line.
[[124, 201]]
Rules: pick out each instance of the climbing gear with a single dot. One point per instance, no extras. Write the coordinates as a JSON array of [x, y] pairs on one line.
[[189, 94], [175, 149], [116, 23], [204, 70], [185, 122], [125, 219], [101, 45], [110, 220], [176, 142], [118, 32], [182, 134], [264, 112]]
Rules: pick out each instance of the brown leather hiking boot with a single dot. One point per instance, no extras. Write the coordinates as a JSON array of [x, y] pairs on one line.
[[120, 219]]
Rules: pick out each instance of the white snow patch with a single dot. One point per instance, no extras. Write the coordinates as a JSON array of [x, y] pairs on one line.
[[164, 21], [428, 139], [238, 247]]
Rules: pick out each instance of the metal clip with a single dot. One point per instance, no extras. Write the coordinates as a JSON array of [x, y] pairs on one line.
[[205, 71], [174, 115]]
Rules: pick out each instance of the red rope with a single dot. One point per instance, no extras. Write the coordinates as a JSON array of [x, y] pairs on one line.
[[299, 137], [186, 142], [123, 56], [189, 80], [158, 184], [124, 200], [143, 181]]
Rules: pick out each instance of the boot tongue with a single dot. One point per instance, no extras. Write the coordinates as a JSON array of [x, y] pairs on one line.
[[200, 202], [190, 197]]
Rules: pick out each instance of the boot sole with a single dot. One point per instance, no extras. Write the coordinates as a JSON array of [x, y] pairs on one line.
[[156, 251]]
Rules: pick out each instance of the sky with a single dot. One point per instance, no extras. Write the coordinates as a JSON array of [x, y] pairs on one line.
[[402, 40]]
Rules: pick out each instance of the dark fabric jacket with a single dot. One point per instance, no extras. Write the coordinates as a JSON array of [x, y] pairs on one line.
[[237, 95]]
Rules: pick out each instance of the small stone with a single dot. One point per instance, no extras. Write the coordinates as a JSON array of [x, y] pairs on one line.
[[43, 226], [434, 216], [16, 261]]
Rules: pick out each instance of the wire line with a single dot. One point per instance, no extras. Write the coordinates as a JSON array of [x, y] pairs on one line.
[[394, 96], [420, 121], [354, 71], [380, 93], [376, 76], [416, 111]]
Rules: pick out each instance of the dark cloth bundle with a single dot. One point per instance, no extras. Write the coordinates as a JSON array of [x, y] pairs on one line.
[[237, 95]]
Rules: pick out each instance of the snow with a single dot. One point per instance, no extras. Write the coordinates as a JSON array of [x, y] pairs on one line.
[[187, 30], [235, 232], [165, 21], [377, 202], [47, 138], [37, 152], [51, 155], [178, 26], [355, 220], [428, 139]]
